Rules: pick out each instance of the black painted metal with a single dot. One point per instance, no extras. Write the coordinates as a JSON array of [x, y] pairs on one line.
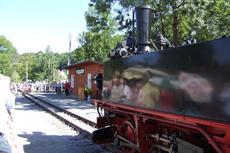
[[190, 80], [143, 23]]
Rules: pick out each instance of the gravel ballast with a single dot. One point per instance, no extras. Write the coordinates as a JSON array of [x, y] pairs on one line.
[[38, 132]]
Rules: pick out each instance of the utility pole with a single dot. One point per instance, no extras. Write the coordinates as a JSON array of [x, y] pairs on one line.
[[69, 49]]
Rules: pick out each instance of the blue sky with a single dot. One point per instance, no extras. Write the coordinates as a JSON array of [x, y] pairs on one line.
[[32, 25]]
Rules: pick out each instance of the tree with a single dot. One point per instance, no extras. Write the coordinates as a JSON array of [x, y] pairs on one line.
[[96, 46], [177, 18], [47, 64], [8, 57], [6, 46], [15, 77], [38, 66], [27, 62], [41, 65], [100, 39], [63, 59]]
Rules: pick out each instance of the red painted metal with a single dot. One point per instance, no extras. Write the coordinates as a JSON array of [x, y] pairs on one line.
[[216, 133], [128, 130], [134, 110]]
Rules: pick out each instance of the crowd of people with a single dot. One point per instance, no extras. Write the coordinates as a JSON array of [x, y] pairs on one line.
[[58, 87]]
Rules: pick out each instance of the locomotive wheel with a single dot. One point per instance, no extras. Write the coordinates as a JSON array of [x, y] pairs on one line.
[[127, 130]]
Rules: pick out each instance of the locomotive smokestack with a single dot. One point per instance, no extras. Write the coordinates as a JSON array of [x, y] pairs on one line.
[[143, 21]]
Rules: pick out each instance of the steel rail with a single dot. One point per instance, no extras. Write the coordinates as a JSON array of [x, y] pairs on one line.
[[91, 123], [109, 147], [67, 122]]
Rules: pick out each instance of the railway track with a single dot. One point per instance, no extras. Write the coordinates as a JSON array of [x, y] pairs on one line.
[[76, 122]]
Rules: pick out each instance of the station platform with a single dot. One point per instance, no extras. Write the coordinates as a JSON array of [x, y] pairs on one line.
[[83, 108]]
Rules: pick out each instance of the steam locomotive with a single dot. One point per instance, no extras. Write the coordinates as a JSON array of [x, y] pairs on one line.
[[175, 100]]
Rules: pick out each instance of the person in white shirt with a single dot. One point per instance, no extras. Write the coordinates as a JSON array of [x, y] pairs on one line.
[[7, 100]]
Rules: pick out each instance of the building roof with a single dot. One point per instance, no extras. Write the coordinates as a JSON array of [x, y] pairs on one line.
[[82, 63]]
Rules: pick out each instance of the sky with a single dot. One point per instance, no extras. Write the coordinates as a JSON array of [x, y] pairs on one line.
[[32, 25]]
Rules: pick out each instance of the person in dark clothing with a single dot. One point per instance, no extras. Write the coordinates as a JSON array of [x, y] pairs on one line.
[[99, 84], [67, 87]]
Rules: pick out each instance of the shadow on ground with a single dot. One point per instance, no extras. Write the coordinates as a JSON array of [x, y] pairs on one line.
[[23, 103], [42, 143]]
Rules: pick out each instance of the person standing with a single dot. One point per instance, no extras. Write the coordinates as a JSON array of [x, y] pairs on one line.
[[66, 88], [99, 83], [6, 103]]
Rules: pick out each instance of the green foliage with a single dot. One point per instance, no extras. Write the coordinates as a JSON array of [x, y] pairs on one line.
[[42, 65], [6, 46], [39, 66], [176, 18], [100, 39], [4, 63], [8, 56], [63, 59], [88, 91], [96, 46], [15, 77], [99, 18]]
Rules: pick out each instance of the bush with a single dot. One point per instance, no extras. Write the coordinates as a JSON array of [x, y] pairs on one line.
[[88, 91]]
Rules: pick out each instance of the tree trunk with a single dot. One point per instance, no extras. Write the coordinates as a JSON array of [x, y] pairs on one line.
[[162, 27], [175, 28]]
